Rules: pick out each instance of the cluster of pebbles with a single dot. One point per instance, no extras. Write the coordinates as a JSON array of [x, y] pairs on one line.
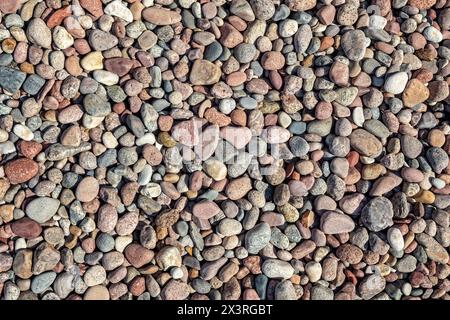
[[224, 149]]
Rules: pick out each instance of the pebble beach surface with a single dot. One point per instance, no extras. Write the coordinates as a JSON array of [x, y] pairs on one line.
[[224, 149]]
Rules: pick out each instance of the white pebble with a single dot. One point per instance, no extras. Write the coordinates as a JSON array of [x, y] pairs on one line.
[[313, 270], [284, 119], [377, 22], [3, 135], [395, 239], [175, 97], [23, 132], [432, 34], [149, 3], [86, 22], [358, 116], [118, 9], [151, 190], [20, 244], [106, 77], [367, 160], [176, 273], [148, 138], [122, 242], [62, 38], [90, 122], [227, 105], [396, 82], [288, 28], [438, 183], [109, 140]]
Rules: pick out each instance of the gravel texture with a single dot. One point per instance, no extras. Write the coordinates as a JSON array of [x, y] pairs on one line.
[[224, 149]]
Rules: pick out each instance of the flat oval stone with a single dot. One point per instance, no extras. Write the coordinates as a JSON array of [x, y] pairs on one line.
[[205, 209], [41, 282], [335, 223], [20, 170], [42, 209], [39, 34], [277, 269], [119, 66], [87, 189], [434, 250], [101, 40], [26, 228], [238, 188], [395, 83], [365, 143], [395, 239], [161, 16], [138, 255], [229, 227], [98, 292], [175, 290]]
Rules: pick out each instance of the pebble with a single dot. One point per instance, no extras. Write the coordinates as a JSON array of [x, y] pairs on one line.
[[395, 239], [98, 292], [87, 189], [377, 214], [432, 34], [277, 269], [263, 9], [20, 170], [336, 223], [42, 209], [205, 209], [313, 270], [10, 79], [42, 282], [215, 169], [432, 248], [95, 275], [354, 44], [257, 238], [175, 290], [396, 82], [38, 33], [415, 92], [161, 16], [92, 61], [62, 38], [365, 143], [9, 6], [26, 228], [371, 286], [23, 132]]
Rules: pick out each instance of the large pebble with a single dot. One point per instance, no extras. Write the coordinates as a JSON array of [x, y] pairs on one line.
[[42, 209]]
